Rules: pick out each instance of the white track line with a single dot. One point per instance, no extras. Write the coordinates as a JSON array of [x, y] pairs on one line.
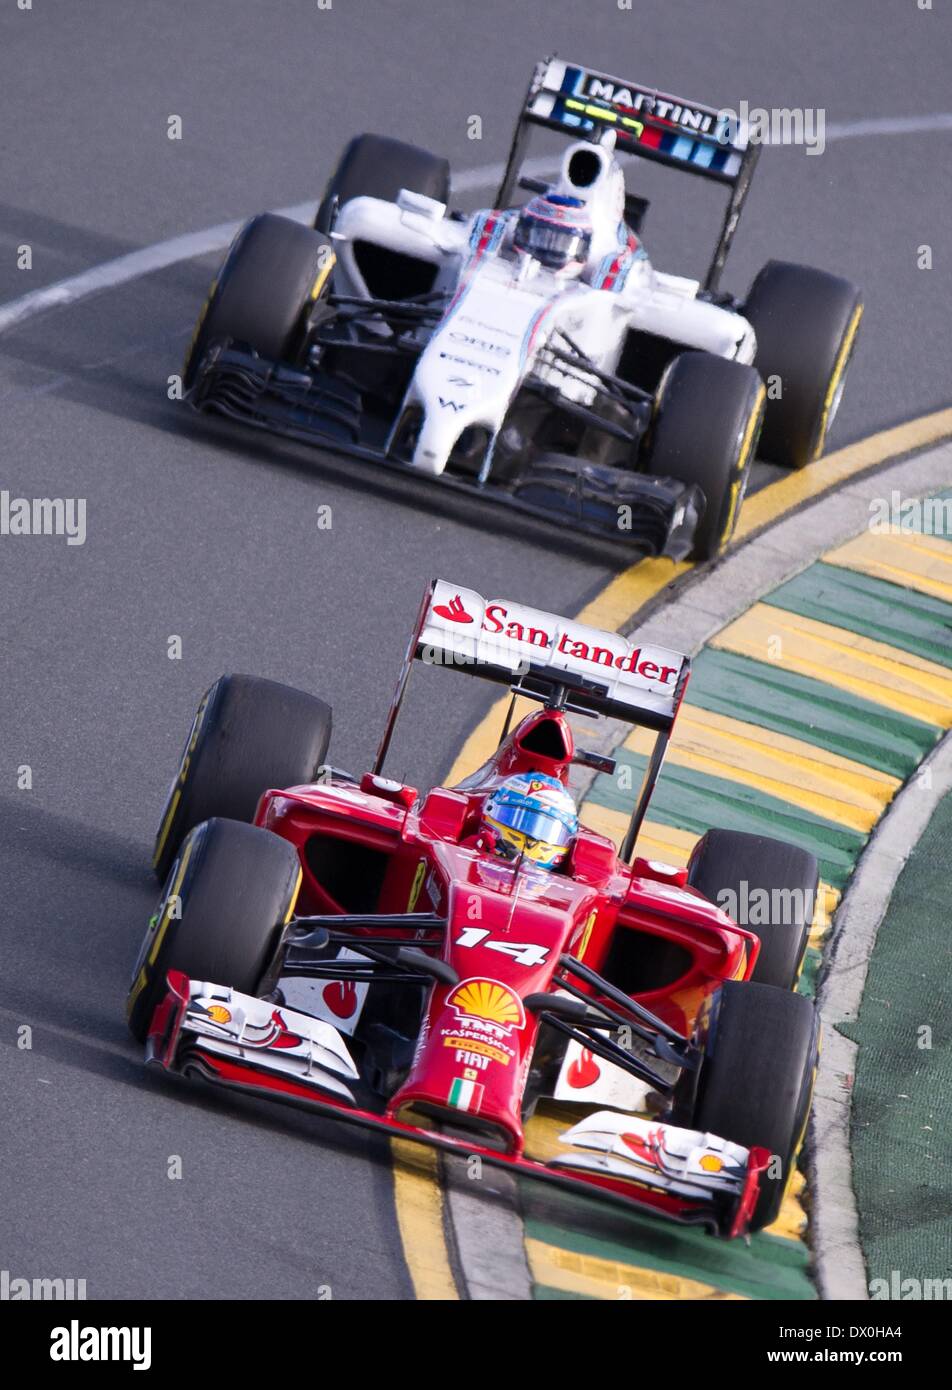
[[120, 271], [890, 125]]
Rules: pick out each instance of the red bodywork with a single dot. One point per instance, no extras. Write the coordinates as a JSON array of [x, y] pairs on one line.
[[639, 926], [456, 1049]]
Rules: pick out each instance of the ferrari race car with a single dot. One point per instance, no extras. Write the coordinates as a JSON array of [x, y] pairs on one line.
[[533, 353], [349, 944]]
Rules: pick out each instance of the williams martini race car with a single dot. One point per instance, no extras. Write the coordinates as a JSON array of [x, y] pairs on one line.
[[533, 353], [442, 967]]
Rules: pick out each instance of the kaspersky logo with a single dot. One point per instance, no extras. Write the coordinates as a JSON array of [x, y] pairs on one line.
[[453, 611]]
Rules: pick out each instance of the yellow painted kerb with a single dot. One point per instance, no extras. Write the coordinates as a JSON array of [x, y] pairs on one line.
[[620, 602]]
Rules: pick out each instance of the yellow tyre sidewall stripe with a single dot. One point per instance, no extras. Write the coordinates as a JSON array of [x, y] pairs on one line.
[[165, 911], [748, 439], [839, 367], [178, 786], [322, 276]]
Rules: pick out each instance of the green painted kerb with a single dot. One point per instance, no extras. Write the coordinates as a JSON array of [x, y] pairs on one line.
[[760, 693], [767, 1268], [694, 801], [902, 1095], [874, 608]]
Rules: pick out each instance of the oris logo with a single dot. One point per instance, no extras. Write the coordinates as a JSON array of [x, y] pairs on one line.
[[482, 344]]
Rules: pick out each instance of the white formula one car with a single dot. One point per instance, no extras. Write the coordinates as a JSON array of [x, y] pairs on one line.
[[533, 352]]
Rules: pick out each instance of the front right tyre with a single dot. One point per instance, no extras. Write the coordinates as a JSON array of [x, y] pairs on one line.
[[273, 274], [229, 891]]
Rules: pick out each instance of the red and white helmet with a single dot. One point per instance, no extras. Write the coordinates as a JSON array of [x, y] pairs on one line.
[[556, 230]]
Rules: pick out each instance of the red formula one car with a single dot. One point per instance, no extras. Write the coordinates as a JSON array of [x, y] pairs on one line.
[[384, 956]]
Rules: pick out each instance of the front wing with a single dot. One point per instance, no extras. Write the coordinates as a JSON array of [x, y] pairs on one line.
[[213, 1032], [659, 516]]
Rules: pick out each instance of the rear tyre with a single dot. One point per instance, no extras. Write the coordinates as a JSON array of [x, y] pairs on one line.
[[806, 322], [248, 735], [732, 868], [707, 417], [273, 273], [375, 166], [756, 1082], [230, 890]]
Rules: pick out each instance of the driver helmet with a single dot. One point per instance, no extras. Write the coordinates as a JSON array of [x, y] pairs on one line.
[[555, 230], [531, 814]]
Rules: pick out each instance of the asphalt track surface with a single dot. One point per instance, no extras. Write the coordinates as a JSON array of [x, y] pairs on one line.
[[211, 535]]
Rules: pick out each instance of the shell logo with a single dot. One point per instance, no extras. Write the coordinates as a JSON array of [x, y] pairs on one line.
[[218, 1013], [488, 1000]]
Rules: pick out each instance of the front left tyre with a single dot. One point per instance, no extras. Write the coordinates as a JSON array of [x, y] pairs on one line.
[[704, 430], [761, 1046], [229, 891]]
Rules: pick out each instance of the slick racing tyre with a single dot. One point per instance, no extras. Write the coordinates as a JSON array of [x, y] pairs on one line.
[[228, 893], [768, 887], [704, 430], [274, 272], [806, 322], [375, 166], [756, 1081], [248, 735]]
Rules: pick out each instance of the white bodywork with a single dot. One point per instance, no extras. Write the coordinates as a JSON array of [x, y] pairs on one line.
[[505, 306], [241, 1028], [684, 1162]]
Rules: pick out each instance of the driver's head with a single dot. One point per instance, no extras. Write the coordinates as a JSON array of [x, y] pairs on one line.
[[533, 815], [555, 230]]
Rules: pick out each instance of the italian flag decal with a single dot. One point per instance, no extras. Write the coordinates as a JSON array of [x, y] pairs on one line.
[[466, 1095]]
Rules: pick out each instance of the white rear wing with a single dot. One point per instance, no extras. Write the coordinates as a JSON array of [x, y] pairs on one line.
[[600, 672], [558, 661]]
